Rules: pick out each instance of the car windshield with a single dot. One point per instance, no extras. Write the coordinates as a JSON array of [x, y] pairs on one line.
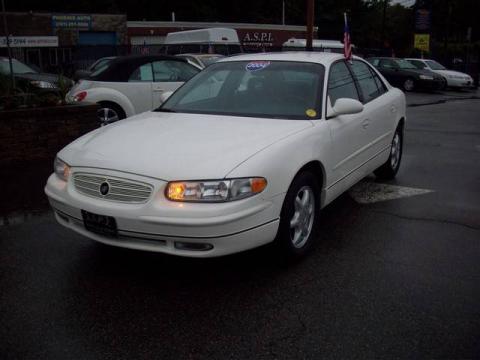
[[404, 64], [101, 63], [18, 67], [435, 65], [272, 89], [210, 59]]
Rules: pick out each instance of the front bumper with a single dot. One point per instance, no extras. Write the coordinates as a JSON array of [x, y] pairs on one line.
[[170, 227], [460, 83]]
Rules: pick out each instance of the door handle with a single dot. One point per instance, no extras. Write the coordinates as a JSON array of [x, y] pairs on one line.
[[365, 123], [158, 89]]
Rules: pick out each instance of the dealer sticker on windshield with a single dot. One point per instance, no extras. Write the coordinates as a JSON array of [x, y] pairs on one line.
[[311, 113], [257, 65]]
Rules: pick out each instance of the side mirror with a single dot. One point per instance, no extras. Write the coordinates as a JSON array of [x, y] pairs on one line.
[[165, 95], [344, 106]]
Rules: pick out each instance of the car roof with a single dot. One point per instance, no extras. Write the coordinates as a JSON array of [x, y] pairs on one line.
[[323, 58]]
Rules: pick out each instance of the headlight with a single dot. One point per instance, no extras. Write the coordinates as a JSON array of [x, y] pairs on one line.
[[61, 169], [215, 190], [43, 84], [426, 77]]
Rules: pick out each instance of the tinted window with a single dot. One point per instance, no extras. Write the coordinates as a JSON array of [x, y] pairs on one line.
[[365, 79], [374, 62], [173, 71], [388, 64], [142, 73], [340, 83], [417, 63], [272, 89]]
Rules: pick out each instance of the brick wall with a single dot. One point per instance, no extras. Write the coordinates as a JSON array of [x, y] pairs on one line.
[[38, 134]]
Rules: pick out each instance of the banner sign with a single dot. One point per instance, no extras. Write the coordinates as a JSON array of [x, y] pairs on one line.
[[422, 42], [29, 41], [71, 21], [422, 20]]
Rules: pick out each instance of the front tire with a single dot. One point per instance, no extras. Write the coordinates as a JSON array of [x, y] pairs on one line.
[[299, 217], [409, 84], [390, 168]]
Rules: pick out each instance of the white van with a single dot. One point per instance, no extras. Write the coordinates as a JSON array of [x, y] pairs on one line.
[[333, 46], [222, 41]]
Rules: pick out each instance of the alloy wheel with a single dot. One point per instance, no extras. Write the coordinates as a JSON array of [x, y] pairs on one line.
[[303, 217], [395, 151], [107, 115]]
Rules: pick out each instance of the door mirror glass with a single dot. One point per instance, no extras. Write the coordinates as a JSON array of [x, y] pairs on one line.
[[344, 106], [165, 95]]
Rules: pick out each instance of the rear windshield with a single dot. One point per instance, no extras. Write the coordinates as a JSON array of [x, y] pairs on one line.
[[273, 89]]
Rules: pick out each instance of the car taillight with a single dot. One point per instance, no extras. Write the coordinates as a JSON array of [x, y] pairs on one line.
[[80, 96]]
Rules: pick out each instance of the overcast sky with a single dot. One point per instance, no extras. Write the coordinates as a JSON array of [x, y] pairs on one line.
[[404, 2]]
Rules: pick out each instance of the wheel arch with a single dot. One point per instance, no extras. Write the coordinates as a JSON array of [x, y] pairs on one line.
[[104, 95], [318, 170]]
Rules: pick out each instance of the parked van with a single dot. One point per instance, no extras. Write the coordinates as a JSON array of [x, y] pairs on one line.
[[222, 41], [333, 46]]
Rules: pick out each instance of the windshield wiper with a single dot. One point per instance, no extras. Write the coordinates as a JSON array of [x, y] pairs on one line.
[[165, 110]]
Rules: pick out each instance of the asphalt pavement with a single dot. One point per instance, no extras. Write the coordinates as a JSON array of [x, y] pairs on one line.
[[394, 274]]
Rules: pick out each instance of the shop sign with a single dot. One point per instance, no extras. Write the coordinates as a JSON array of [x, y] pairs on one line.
[[422, 42], [30, 41], [72, 21]]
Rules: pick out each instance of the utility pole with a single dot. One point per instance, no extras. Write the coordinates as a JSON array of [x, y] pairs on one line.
[[283, 12], [310, 16], [7, 39], [384, 18]]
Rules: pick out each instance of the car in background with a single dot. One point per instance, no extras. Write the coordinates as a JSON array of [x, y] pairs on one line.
[[223, 41], [455, 79], [130, 85], [221, 169], [401, 73], [201, 60], [27, 78], [83, 74]]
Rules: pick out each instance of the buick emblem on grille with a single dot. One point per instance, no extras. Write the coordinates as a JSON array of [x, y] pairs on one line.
[[104, 188]]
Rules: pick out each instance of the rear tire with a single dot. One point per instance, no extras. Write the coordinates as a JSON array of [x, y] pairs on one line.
[[109, 113], [388, 170], [299, 217]]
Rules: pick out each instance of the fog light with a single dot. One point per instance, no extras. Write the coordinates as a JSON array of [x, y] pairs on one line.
[[192, 246]]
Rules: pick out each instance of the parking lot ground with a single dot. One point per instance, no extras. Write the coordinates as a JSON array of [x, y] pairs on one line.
[[389, 279]]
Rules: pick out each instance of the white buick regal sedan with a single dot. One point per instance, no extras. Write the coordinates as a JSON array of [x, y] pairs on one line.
[[246, 153]]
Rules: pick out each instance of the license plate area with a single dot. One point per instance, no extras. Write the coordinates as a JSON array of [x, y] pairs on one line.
[[99, 224]]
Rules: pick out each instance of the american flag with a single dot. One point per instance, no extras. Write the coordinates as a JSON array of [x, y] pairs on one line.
[[347, 45]]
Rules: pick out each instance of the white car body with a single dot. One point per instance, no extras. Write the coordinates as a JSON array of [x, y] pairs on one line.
[[454, 78], [157, 147], [133, 97], [127, 84]]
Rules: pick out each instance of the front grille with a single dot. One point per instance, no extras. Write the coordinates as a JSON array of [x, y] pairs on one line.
[[122, 190]]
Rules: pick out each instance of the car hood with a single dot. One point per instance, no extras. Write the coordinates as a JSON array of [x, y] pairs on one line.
[[172, 146]]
